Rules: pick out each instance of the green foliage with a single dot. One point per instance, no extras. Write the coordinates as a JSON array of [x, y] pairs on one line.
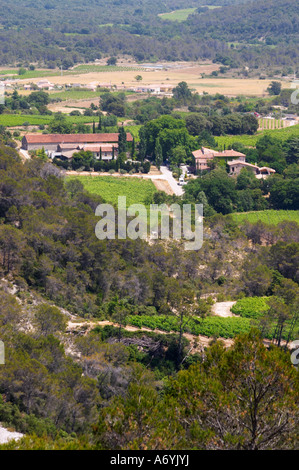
[[251, 307], [274, 88], [49, 320], [250, 141], [193, 411], [114, 389]]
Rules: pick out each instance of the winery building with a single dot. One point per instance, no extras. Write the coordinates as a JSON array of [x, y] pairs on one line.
[[50, 142]]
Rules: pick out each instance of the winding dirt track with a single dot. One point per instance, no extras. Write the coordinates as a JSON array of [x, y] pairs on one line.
[[221, 309], [203, 341]]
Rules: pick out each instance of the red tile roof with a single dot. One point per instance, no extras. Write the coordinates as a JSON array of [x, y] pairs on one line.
[[230, 153], [104, 147], [205, 153], [73, 138]]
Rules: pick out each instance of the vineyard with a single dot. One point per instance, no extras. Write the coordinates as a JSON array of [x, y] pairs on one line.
[[136, 190], [251, 307], [14, 120], [251, 140], [269, 217], [265, 123], [210, 326], [104, 68], [217, 327]]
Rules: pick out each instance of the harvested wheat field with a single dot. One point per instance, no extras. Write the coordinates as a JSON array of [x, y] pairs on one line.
[[189, 72]]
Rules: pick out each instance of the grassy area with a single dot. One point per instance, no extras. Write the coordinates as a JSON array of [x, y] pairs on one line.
[[182, 14], [76, 70], [251, 140], [136, 190], [13, 120], [270, 217], [30, 73], [177, 15]]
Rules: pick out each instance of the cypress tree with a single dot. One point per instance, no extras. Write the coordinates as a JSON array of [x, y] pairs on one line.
[[122, 140], [133, 149]]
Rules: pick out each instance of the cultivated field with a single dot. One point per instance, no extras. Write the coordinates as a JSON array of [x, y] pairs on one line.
[[177, 15], [182, 15], [136, 190], [172, 74], [15, 120], [269, 217], [251, 140]]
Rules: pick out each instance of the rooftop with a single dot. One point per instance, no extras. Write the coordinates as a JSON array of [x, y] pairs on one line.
[[73, 138]]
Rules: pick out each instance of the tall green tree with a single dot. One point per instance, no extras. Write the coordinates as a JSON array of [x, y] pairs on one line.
[[158, 154], [122, 140]]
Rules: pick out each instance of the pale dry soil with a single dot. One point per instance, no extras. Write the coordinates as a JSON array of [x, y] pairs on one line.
[[223, 309], [184, 71], [6, 436]]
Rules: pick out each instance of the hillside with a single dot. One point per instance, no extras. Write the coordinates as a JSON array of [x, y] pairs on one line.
[[94, 329], [90, 30]]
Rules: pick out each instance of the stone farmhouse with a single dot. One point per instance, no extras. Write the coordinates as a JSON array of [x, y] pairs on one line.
[[235, 166], [235, 161], [205, 155], [65, 145]]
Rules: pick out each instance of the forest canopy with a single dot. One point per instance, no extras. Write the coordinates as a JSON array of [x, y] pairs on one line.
[[92, 29]]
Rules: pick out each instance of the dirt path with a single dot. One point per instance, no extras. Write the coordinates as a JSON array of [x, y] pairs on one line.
[[203, 341], [163, 185], [222, 309]]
